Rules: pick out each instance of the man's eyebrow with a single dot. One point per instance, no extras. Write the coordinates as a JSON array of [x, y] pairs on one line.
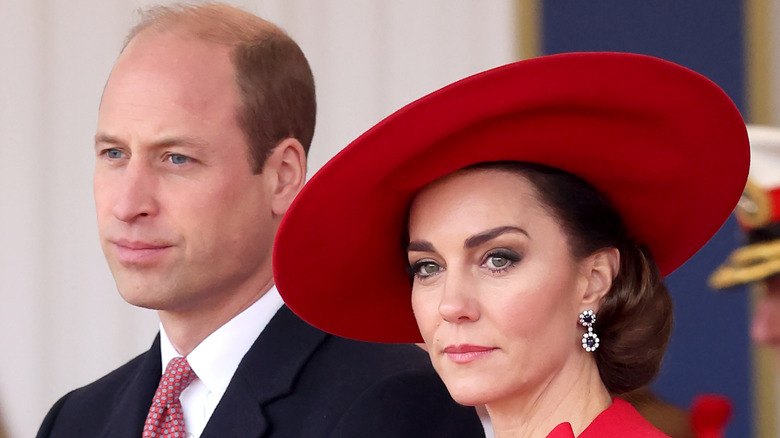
[[106, 138], [479, 239], [420, 245], [183, 140]]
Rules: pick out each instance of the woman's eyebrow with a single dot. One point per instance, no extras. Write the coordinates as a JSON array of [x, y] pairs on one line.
[[420, 245], [479, 239]]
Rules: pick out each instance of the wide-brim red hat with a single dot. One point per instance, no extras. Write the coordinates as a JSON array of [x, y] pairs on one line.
[[663, 143]]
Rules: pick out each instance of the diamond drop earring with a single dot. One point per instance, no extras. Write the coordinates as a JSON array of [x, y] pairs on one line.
[[590, 341]]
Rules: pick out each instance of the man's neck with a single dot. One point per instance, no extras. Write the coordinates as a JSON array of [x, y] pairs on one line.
[[188, 329]]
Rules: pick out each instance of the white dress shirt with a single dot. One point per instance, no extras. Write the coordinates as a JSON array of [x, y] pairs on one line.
[[216, 358]]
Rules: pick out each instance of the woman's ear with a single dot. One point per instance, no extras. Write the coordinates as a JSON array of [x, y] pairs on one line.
[[601, 269], [286, 166]]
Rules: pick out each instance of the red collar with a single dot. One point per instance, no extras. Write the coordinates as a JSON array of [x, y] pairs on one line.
[[618, 420]]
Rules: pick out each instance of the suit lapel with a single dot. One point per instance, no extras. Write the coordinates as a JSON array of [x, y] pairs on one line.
[[267, 372], [135, 397]]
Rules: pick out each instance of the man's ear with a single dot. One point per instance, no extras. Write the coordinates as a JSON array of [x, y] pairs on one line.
[[286, 168], [601, 269]]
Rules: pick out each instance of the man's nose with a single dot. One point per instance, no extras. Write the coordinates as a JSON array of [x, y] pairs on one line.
[[136, 195]]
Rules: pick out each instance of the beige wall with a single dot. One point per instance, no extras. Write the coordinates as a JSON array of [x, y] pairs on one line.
[[763, 73], [63, 324]]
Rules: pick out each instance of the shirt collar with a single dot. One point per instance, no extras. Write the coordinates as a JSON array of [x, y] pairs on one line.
[[216, 358]]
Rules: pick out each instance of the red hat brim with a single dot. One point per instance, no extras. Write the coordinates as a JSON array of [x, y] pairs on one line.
[[663, 143]]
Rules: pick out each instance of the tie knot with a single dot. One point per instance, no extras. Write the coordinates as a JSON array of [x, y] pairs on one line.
[[178, 375], [165, 418]]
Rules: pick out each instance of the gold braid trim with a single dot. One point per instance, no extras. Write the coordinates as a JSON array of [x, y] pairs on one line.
[[748, 264], [755, 253]]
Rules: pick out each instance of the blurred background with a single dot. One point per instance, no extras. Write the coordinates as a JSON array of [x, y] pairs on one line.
[[62, 323]]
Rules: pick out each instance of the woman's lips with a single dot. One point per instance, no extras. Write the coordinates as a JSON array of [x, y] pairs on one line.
[[465, 353]]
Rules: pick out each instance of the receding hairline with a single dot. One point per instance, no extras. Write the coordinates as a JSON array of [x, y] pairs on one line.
[[214, 22]]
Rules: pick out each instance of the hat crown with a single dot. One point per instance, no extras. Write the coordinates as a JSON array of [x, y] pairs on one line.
[[628, 124]]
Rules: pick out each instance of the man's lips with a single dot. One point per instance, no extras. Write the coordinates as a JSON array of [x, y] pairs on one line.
[[465, 353], [132, 252]]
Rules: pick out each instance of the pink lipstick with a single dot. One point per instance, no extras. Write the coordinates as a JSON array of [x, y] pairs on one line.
[[464, 353]]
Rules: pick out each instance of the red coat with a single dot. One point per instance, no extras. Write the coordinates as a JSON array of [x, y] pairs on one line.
[[617, 421]]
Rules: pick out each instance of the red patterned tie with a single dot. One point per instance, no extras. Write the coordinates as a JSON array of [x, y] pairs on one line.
[[165, 419]]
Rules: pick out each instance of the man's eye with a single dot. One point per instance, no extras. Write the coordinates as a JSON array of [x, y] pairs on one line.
[[114, 153], [178, 159]]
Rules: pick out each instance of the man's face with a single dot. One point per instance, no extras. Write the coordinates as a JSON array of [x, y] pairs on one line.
[[184, 223], [766, 321]]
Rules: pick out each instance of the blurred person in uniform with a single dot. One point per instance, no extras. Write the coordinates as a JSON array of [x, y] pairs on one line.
[[757, 262]]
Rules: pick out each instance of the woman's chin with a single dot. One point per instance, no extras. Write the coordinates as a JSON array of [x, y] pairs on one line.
[[468, 395]]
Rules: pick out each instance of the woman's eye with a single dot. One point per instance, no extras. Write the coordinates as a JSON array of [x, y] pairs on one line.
[[501, 260], [423, 269], [429, 268], [497, 262]]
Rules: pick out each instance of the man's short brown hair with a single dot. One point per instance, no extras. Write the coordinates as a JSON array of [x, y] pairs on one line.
[[274, 80]]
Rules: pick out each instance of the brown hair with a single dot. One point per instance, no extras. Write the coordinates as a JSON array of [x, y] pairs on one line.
[[273, 76], [634, 322]]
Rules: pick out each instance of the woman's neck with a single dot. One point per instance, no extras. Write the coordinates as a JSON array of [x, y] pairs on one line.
[[575, 394]]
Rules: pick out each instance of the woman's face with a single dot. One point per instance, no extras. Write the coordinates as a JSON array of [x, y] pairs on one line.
[[496, 292]]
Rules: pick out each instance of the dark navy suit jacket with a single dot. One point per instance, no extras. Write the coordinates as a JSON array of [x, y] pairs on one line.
[[294, 382]]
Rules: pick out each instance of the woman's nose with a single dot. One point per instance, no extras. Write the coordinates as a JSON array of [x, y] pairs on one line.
[[459, 300]]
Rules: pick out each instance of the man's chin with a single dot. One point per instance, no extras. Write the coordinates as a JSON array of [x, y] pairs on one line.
[[147, 295], [144, 302]]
